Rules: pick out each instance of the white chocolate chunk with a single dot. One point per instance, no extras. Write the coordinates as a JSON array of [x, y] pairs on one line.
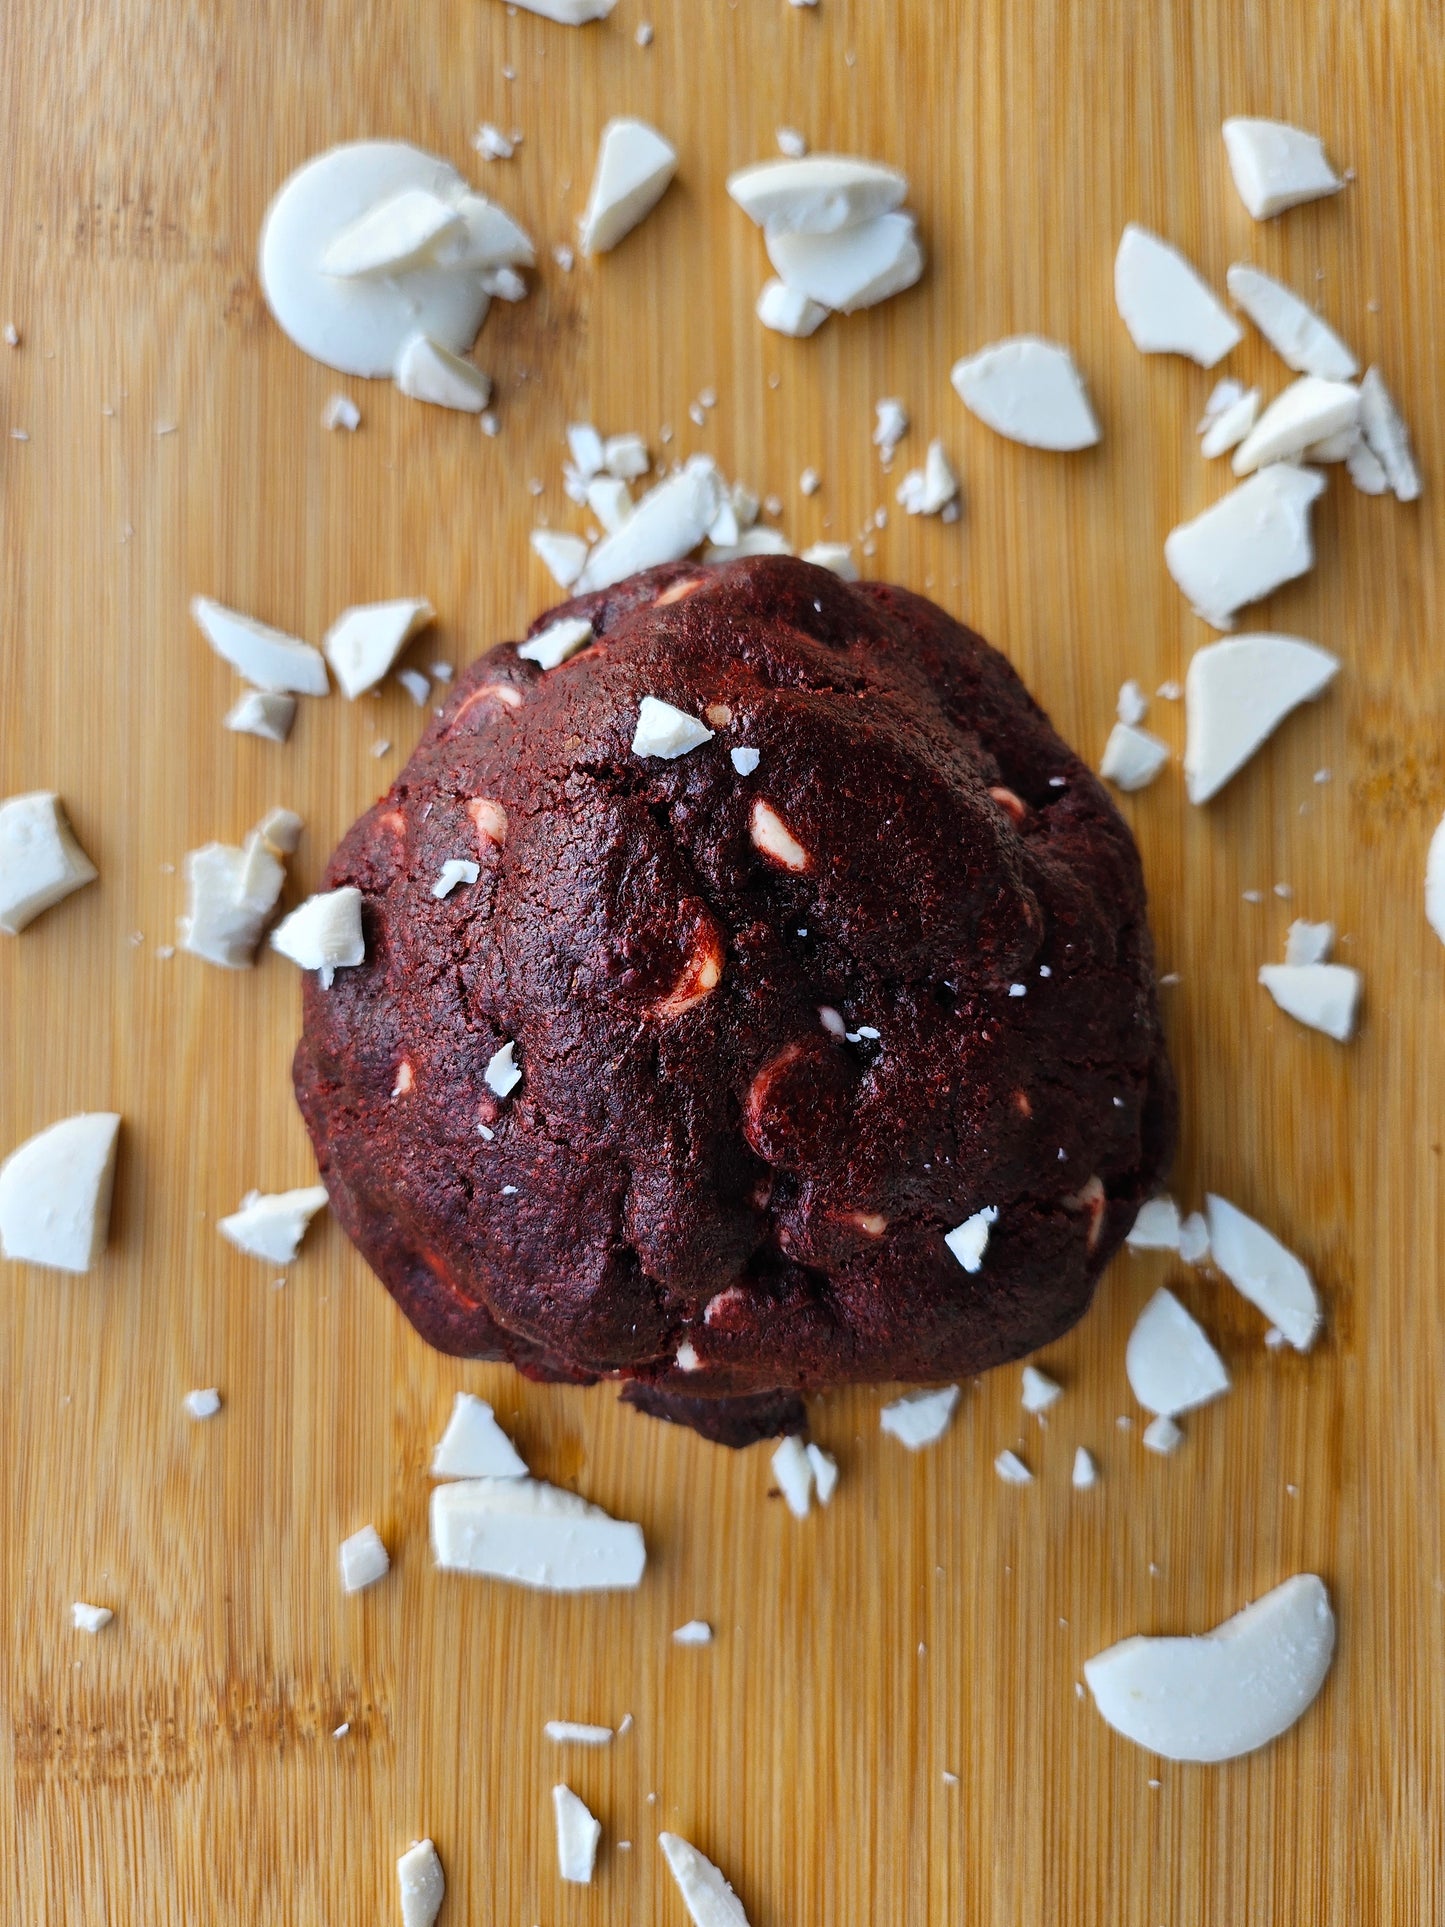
[[1435, 882], [568, 13], [788, 311], [818, 194], [503, 1074], [1223, 1693], [968, 1241], [266, 657], [1132, 705], [587, 449], [578, 1833], [231, 895], [1389, 439], [771, 835], [610, 500], [1156, 1228], [363, 643], [456, 869], [271, 1225], [1167, 306], [889, 428], [1012, 1470], [55, 1193], [1308, 412], [401, 231], [427, 370], [1323, 995], [563, 556], [363, 1560], [745, 761], [665, 731], [280, 830], [857, 267], [264, 713], [1262, 1270], [90, 1619], [1161, 1435], [1194, 1239], [574, 1733], [1029, 390], [1308, 943], [696, 1632], [920, 1418], [1248, 544], [709, 1900], [203, 1403], [474, 1446], [930, 489], [794, 1473], [1171, 1365], [666, 525], [1289, 325], [825, 1473], [1132, 757], [422, 1885], [835, 557], [533, 1535], [40, 860], [1230, 426], [635, 166], [626, 457], [324, 933], [1237, 693], [559, 642], [1276, 166], [1085, 1472], [1039, 1391], [1366, 470]]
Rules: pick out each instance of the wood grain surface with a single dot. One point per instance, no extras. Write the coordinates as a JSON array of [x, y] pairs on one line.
[[181, 1768]]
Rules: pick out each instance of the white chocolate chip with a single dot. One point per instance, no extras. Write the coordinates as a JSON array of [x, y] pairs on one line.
[[455, 870], [1039, 1391], [503, 1074], [1276, 166], [1250, 543], [788, 311], [1238, 692], [1012, 1470], [202, 1404], [1166, 304], [40, 860], [575, 1733], [1262, 1270], [559, 642], [1310, 411], [405, 230], [667, 732], [266, 657], [474, 1446], [709, 1900], [90, 1619], [324, 933], [264, 713], [363, 1560], [634, 168], [272, 1225], [1085, 1472], [920, 1418], [1161, 1435], [1290, 326], [854, 268], [1132, 757], [1029, 390], [420, 1880], [578, 1833], [55, 1192], [1324, 996], [968, 1241], [771, 835], [363, 643], [563, 556], [1171, 1365], [819, 194], [1156, 1228], [696, 1632], [794, 1473]]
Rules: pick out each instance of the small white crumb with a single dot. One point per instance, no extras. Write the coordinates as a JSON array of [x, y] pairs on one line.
[[416, 685], [381, 747], [90, 1619], [792, 143], [643, 37], [809, 482], [920, 1418], [20, 435], [624, 1725], [564, 257], [1133, 704], [1039, 1391], [422, 1885], [363, 1560], [454, 871], [1275, 1339], [825, 1473], [745, 760], [340, 1732], [890, 427], [1012, 1470], [202, 1404], [12, 335], [696, 1632], [1085, 1472], [492, 144], [794, 1474], [578, 1832], [1161, 1435], [575, 1733], [559, 642], [968, 1241], [503, 1074], [341, 412]]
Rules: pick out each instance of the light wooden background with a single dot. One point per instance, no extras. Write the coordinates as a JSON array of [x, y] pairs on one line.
[[181, 1767]]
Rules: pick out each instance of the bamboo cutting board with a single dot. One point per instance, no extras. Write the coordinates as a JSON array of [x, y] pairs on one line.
[[181, 1767]]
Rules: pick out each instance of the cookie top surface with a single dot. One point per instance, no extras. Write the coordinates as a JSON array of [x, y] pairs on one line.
[[780, 1028]]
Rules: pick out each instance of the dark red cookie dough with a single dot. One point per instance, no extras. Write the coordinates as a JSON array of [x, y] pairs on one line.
[[698, 1187]]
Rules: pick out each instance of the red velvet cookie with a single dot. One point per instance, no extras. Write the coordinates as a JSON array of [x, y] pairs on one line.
[[781, 1029]]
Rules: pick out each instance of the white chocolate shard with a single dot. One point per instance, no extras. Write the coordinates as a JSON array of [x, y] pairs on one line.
[[1435, 881], [231, 895], [401, 231], [262, 712], [1262, 1270], [1220, 1694], [1166, 304], [626, 456], [503, 1073], [1308, 943], [267, 657], [86, 1618], [825, 1474], [456, 870], [559, 642], [1156, 1228], [668, 523], [788, 311], [363, 1560], [363, 643], [490, 240], [1388, 438], [610, 500], [757, 541], [930, 489], [203, 1403], [1309, 411], [420, 1881], [1366, 470], [697, 1632], [563, 556], [532, 1534], [40, 860], [55, 1192], [1325, 996], [771, 835], [340, 411], [1290, 326], [280, 830], [1162, 1435], [667, 732], [474, 1446], [1038, 1391], [1085, 1472], [576, 1733], [793, 1471], [1237, 693], [427, 370], [1029, 390], [818, 194], [1248, 544], [635, 166], [920, 1418], [854, 268], [1012, 1470], [1230, 426], [1194, 1239], [1276, 166], [968, 1241], [324, 933], [1132, 757], [709, 1900], [1171, 1365], [578, 1832], [271, 1225]]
